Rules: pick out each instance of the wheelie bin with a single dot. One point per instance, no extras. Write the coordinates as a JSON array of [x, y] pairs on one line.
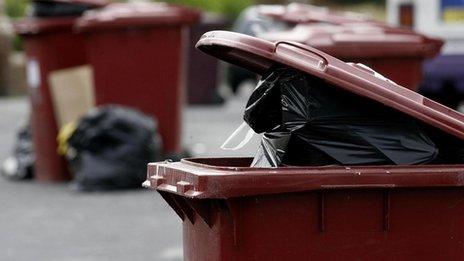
[[138, 54], [298, 22], [233, 212], [398, 56], [50, 44]]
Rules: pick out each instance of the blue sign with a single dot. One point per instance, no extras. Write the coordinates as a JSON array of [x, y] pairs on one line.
[[452, 3]]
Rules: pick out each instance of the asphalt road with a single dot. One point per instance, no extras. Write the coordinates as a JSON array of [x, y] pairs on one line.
[[51, 222]]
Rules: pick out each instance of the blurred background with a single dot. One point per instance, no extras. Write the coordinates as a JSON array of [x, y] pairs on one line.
[[92, 90]]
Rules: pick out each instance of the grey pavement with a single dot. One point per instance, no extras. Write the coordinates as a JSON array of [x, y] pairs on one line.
[[51, 222]]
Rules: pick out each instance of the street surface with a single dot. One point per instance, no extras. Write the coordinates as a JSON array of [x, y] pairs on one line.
[[50, 222]]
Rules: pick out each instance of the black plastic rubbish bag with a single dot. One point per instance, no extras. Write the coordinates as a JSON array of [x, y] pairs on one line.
[[47, 8], [20, 165], [111, 147], [306, 121]]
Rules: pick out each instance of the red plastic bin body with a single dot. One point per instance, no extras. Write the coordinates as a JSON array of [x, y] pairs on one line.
[[232, 212], [129, 73], [138, 60], [51, 45]]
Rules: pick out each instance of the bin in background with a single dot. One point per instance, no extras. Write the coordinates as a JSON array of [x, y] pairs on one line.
[[297, 22], [389, 50], [296, 13], [203, 71], [50, 44], [398, 55], [233, 212], [138, 54], [252, 21]]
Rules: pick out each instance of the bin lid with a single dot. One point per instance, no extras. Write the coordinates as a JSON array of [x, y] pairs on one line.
[[359, 41], [34, 26], [92, 3], [258, 55], [138, 14]]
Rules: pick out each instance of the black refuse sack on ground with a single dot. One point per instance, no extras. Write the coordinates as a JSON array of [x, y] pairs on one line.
[[20, 165], [308, 122], [111, 147], [44, 8]]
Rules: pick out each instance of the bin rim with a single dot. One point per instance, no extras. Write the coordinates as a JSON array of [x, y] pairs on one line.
[[35, 25], [138, 14], [259, 55], [91, 3], [200, 178]]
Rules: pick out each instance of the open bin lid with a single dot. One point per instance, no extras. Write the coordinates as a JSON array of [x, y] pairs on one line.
[[359, 41], [259, 55], [122, 15]]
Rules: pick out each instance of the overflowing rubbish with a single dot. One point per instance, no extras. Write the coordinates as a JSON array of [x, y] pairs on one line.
[[305, 121], [111, 147], [20, 165]]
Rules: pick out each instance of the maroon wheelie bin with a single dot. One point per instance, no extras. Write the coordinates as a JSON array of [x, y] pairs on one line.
[[50, 44], [138, 54], [233, 212], [389, 52]]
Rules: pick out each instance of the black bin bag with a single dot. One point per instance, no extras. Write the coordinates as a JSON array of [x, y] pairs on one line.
[[306, 121], [111, 147]]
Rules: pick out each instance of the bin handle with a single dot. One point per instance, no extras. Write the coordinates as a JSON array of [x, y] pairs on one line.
[[319, 61]]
